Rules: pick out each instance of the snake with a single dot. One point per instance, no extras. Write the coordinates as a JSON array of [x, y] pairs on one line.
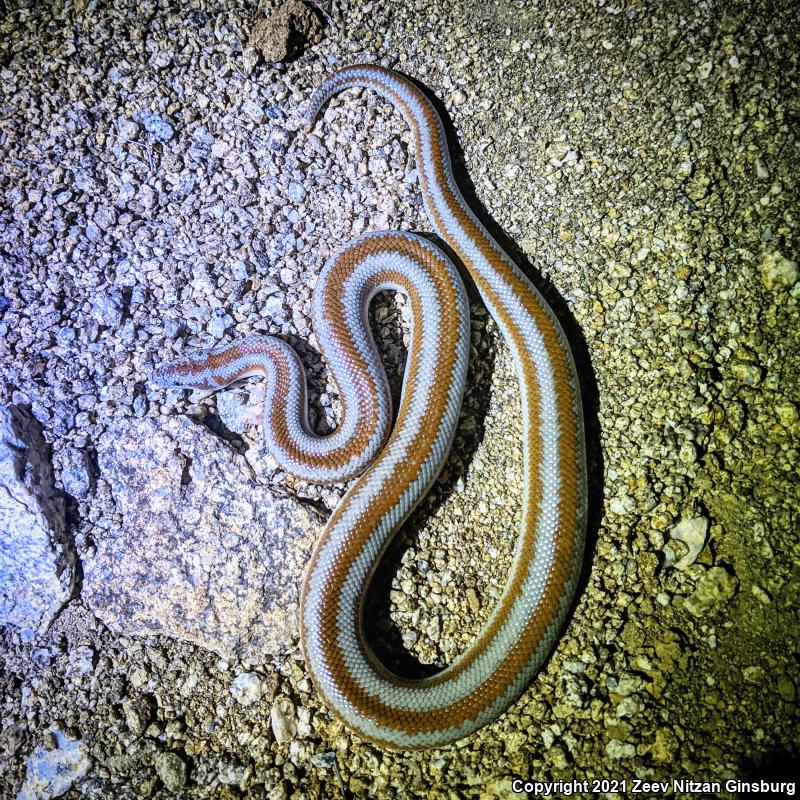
[[392, 465]]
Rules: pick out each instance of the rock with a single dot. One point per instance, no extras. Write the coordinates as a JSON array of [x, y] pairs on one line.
[[705, 69], [326, 760], [284, 723], [76, 476], [296, 192], [692, 533], [81, 661], [618, 750], [786, 688], [127, 128], [777, 271], [37, 559], [787, 413], [51, 773], [754, 674], [220, 148], [665, 746], [219, 322], [137, 711], [232, 773], [246, 688], [747, 373], [203, 552], [242, 406], [458, 98], [171, 768], [107, 309], [286, 32], [253, 110], [273, 307], [105, 218], [714, 590], [761, 595], [157, 126]]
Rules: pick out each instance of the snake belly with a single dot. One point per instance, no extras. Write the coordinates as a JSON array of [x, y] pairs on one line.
[[520, 632]]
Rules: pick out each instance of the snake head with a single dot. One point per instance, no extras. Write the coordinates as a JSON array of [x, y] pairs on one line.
[[186, 372]]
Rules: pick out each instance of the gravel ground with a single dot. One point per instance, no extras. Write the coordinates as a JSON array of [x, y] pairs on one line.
[[158, 191]]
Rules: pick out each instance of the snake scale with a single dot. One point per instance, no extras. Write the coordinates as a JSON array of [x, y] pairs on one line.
[[395, 466]]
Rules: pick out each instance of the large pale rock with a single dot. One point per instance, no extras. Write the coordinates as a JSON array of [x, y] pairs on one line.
[[37, 560], [51, 773], [692, 533], [204, 552]]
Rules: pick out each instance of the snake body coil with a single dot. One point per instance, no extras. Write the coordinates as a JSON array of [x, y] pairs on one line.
[[396, 472]]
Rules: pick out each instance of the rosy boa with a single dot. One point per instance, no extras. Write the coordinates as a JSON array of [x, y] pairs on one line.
[[395, 472]]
